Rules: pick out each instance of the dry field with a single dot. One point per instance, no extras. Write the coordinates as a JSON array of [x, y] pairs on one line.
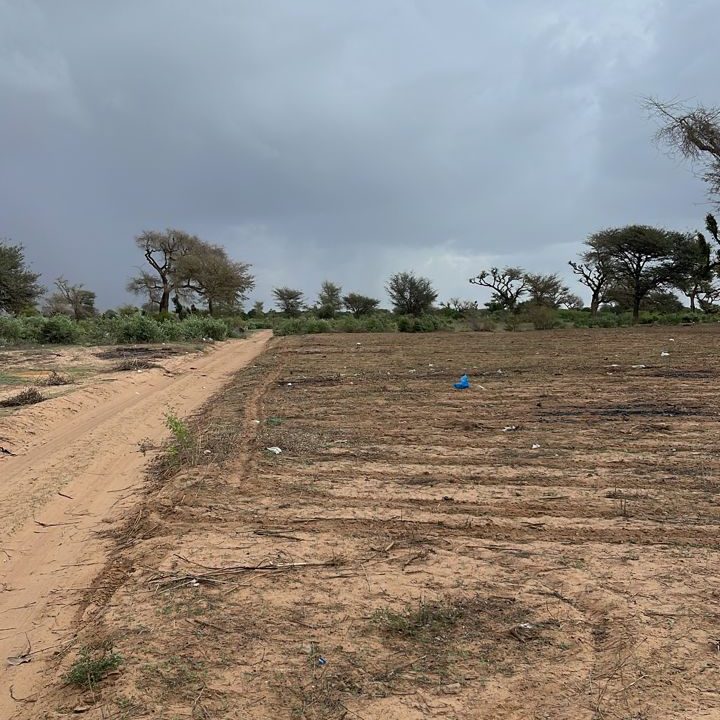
[[542, 545]]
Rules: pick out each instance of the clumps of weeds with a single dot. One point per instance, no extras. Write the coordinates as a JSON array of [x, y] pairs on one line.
[[437, 633], [183, 443], [55, 379], [132, 364], [93, 664], [428, 621], [29, 396]]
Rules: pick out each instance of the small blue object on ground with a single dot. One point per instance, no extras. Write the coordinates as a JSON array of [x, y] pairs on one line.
[[464, 383], [321, 661]]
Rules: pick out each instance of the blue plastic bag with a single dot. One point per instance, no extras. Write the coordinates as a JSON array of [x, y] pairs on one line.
[[464, 383]]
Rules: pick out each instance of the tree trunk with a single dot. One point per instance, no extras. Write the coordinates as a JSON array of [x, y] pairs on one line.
[[165, 299], [210, 306], [594, 303], [692, 300], [636, 308]]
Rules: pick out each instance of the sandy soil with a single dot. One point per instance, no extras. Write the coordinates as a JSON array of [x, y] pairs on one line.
[[77, 465], [543, 545]]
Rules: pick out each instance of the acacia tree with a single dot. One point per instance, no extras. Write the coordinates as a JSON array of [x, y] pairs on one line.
[[641, 257], [546, 290], [162, 251], [206, 272], [595, 272], [693, 133], [360, 305], [410, 294], [329, 300], [19, 288], [72, 300], [289, 301], [508, 286]]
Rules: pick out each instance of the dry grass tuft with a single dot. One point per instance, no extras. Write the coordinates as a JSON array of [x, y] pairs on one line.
[[29, 396]]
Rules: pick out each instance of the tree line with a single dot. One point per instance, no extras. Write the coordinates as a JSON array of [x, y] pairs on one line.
[[631, 267]]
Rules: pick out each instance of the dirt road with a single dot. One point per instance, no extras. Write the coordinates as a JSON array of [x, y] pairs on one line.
[[79, 465]]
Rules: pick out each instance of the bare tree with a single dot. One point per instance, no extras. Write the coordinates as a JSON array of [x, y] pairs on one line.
[[595, 272], [71, 300], [162, 251], [508, 286], [693, 133]]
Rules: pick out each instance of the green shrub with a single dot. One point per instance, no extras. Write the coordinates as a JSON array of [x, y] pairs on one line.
[[138, 329], [542, 318], [59, 330], [93, 664], [424, 323], [200, 328], [11, 329]]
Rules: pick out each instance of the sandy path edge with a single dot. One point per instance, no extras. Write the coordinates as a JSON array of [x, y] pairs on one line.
[[89, 458]]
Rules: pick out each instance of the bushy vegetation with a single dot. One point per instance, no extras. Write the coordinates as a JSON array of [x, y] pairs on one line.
[[61, 330]]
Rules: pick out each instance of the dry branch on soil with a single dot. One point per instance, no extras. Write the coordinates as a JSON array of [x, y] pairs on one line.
[[217, 575]]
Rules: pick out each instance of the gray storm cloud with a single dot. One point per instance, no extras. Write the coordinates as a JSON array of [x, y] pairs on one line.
[[342, 140]]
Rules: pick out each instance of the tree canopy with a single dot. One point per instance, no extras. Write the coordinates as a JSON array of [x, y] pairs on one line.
[[289, 300], [410, 294], [19, 288], [192, 269]]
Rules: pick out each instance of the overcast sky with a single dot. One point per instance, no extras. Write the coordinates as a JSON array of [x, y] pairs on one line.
[[339, 139]]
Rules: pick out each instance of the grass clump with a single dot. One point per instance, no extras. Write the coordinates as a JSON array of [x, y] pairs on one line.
[[29, 396], [424, 623], [93, 664], [131, 364], [55, 379]]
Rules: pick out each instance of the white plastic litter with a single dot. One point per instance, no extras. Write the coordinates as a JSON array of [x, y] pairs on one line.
[[274, 449], [664, 354], [535, 446], [637, 367], [509, 428]]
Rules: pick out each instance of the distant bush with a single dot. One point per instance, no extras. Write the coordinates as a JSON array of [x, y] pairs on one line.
[[60, 330], [138, 329], [542, 318], [424, 323]]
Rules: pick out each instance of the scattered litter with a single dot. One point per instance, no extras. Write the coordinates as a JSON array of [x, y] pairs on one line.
[[274, 449], [672, 339], [257, 422], [510, 428], [500, 372], [289, 384], [430, 365], [638, 367], [5, 451], [535, 446], [664, 354], [321, 661], [463, 384], [207, 452], [614, 365], [24, 657], [358, 343], [412, 371], [526, 626], [19, 659]]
